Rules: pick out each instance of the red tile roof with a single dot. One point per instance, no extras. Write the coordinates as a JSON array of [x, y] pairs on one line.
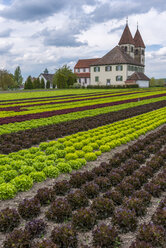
[[83, 75], [126, 37], [116, 56], [85, 63], [138, 76], [138, 40]]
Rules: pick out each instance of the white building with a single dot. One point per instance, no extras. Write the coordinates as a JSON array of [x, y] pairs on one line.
[[47, 77], [118, 65]]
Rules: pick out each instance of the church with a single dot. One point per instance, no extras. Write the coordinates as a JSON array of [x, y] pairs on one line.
[[123, 65]]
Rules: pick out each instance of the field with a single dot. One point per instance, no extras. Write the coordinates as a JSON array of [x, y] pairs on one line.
[[83, 168]]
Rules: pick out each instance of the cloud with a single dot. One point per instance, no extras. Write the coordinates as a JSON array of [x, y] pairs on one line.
[[5, 33], [5, 49], [31, 10]]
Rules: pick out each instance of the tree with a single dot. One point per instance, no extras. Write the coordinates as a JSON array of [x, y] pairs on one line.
[[28, 84], [48, 84], [18, 79], [36, 83], [64, 78], [42, 84], [6, 80], [46, 71]]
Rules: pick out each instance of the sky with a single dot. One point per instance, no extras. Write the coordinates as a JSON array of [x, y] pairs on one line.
[[39, 34]]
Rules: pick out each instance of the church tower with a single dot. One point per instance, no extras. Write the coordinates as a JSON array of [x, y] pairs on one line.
[[127, 42], [139, 48]]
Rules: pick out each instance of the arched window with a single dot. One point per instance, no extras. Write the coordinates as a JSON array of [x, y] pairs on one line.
[[125, 48], [132, 49], [136, 51], [143, 52]]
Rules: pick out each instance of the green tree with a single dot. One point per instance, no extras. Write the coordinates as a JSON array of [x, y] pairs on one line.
[[6, 80], [42, 84], [28, 84], [18, 79], [64, 77], [48, 84]]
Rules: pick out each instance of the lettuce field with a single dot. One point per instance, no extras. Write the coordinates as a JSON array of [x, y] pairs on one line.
[[83, 168]]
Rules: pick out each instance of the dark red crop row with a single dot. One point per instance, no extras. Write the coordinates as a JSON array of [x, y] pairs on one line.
[[27, 138], [21, 118], [18, 108]]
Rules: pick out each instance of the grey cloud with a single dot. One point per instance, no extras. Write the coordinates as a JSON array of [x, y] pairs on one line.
[[5, 33], [61, 38], [30, 10], [5, 49]]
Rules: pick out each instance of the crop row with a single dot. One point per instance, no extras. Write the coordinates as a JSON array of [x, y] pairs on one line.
[[27, 138], [17, 106], [129, 177], [53, 109], [70, 153], [16, 126]]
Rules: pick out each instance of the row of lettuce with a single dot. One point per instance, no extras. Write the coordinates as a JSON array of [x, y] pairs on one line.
[[63, 106], [18, 171], [35, 123]]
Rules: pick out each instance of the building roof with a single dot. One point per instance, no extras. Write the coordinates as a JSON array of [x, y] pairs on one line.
[[116, 56], [85, 63], [83, 75], [138, 76], [138, 40], [48, 77], [126, 37]]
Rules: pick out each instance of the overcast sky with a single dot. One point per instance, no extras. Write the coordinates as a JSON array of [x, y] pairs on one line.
[[36, 34]]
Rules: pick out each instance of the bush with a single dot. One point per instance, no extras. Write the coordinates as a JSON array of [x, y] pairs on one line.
[[9, 175], [152, 233], [89, 175], [7, 191], [87, 149], [75, 164], [29, 209], [114, 178], [45, 243], [9, 219], [35, 228], [77, 180], [70, 149], [153, 189], [84, 219], [45, 195], [64, 236], [71, 156], [64, 167], [2, 180], [143, 195], [159, 217], [51, 171], [105, 148], [39, 166], [125, 188], [59, 211], [22, 183], [103, 207], [26, 170], [80, 154], [61, 187], [105, 236], [115, 196], [38, 176], [100, 171], [90, 156], [135, 204], [103, 183], [77, 199], [17, 239], [91, 190], [125, 219], [133, 181]]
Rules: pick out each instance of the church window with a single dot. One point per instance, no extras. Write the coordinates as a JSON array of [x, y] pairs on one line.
[[143, 52], [132, 49], [119, 78], [108, 68], [97, 68], [125, 48], [136, 52], [119, 68], [96, 79]]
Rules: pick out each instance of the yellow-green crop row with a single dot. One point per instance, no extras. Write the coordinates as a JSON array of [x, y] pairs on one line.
[[18, 171], [48, 108], [34, 123]]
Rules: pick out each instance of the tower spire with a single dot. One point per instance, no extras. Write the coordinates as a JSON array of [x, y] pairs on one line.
[[127, 20]]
